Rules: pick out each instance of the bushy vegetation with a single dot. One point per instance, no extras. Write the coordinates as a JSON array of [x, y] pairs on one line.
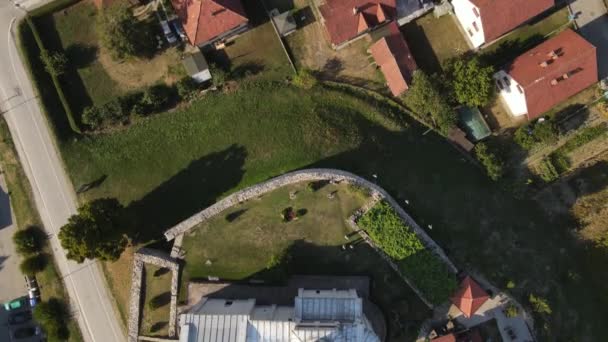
[[34, 264], [511, 310], [54, 62], [304, 79], [401, 243], [119, 111], [531, 135], [53, 316], [493, 165], [186, 88], [471, 81], [427, 100], [30, 240], [98, 231], [539, 305]]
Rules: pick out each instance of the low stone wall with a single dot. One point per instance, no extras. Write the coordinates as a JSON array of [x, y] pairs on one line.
[[160, 259], [308, 175]]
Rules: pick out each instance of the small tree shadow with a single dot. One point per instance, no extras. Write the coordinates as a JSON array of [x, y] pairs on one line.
[[247, 69], [235, 214], [156, 327], [161, 271], [81, 55], [160, 300], [92, 185], [302, 212]]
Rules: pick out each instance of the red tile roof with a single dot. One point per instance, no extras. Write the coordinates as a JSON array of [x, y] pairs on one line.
[[395, 60], [343, 24], [470, 297], [204, 20], [501, 16], [547, 86], [445, 338]]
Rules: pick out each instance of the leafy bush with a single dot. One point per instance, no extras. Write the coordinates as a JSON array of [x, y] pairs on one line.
[[186, 88], [528, 136], [34, 264], [511, 311], [107, 114], [398, 241], [304, 79], [471, 81], [539, 305], [493, 165], [584, 137], [219, 76], [53, 317], [30, 240], [54, 62], [547, 171], [288, 214], [155, 98]]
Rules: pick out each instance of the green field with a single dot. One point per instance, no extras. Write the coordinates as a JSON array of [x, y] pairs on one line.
[[172, 165], [251, 241]]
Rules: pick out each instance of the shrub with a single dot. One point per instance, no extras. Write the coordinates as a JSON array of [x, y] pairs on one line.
[[186, 88], [547, 171], [30, 240], [511, 310], [107, 114], [398, 241], [219, 76], [528, 136], [54, 62], [34, 264], [154, 99], [539, 305], [288, 214], [304, 79], [471, 81], [52, 316], [493, 165]]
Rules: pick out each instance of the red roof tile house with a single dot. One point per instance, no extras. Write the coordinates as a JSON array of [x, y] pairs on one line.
[[346, 20], [393, 56], [486, 20], [548, 74], [470, 297], [208, 21]]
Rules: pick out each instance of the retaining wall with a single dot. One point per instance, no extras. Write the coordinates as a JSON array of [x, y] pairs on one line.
[[307, 175]]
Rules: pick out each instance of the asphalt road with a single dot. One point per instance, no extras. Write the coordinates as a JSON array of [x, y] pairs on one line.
[[90, 299]]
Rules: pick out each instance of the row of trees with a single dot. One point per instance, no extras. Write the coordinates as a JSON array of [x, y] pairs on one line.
[[30, 243], [466, 81]]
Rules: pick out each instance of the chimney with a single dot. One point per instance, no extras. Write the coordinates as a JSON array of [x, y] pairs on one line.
[[544, 64], [355, 10], [554, 81], [565, 76]]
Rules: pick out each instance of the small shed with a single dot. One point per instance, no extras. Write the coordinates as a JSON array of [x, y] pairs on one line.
[[284, 22], [473, 123], [196, 66]]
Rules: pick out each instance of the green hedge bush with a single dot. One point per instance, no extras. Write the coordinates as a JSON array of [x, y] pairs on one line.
[[422, 267]]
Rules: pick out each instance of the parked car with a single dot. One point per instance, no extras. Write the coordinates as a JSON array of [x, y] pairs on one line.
[[177, 27], [15, 304], [169, 35], [20, 317], [26, 332]]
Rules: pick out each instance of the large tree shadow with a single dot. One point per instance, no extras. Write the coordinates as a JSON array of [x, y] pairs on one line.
[[189, 191]]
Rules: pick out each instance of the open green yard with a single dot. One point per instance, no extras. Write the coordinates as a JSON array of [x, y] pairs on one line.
[[155, 302], [252, 241], [172, 165]]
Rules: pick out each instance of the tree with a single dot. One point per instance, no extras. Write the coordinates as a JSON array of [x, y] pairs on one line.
[[52, 316], [29, 240], [34, 264], [539, 305], [493, 165], [96, 232], [426, 99], [471, 81], [154, 98], [186, 88], [54, 62], [528, 136], [121, 33]]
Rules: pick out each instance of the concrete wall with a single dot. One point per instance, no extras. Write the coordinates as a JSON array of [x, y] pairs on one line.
[[513, 95], [465, 12], [308, 175]]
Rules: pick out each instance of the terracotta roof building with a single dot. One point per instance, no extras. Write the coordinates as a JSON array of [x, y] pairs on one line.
[[393, 56], [470, 297], [548, 74], [486, 20], [346, 20], [209, 21]]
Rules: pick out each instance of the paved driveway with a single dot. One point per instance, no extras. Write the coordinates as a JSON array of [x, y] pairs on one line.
[[592, 22]]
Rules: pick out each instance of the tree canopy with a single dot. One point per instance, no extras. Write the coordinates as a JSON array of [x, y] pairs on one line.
[[54, 62], [426, 98], [96, 232], [52, 316], [471, 81], [29, 240], [123, 34]]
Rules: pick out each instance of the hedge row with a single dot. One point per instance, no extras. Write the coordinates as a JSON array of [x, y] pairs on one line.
[[56, 83], [428, 273], [558, 162]]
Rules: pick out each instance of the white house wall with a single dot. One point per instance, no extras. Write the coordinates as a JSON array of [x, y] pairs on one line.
[[512, 94], [470, 22]]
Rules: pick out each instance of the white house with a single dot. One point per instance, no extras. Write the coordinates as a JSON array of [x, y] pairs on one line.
[[487, 20], [512, 93], [317, 315]]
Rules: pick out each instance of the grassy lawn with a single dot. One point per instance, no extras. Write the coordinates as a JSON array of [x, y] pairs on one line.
[[313, 243], [22, 202], [434, 40], [525, 37], [155, 317], [168, 167]]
